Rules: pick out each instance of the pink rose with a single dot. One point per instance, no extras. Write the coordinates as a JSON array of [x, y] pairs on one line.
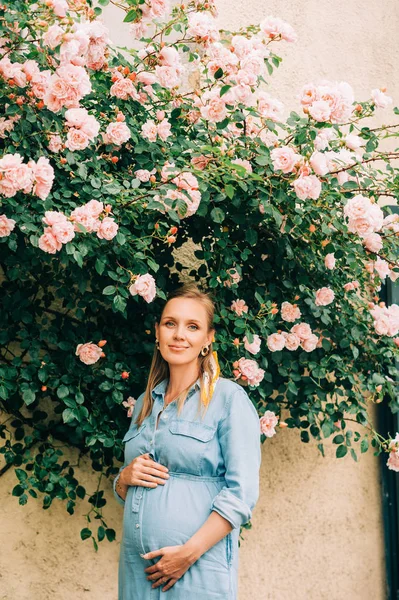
[[215, 110], [63, 232], [373, 242], [94, 208], [51, 217], [88, 353], [329, 261], [318, 162], [144, 175], [284, 159], [243, 163], [163, 129], [269, 107], [53, 36], [48, 242], [320, 111], [310, 343], [146, 78], [55, 143], [302, 330], [6, 226], [82, 216], [108, 229], [43, 174], [168, 77], [124, 89], [324, 296], [380, 99], [275, 342], [393, 461], [267, 423], [77, 140], [239, 307], [357, 207], [307, 187], [273, 27], [292, 341], [290, 312], [254, 346], [117, 133], [129, 403], [149, 131], [251, 371], [144, 286], [202, 25]]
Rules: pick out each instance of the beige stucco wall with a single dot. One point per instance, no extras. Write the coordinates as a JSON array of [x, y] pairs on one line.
[[317, 528]]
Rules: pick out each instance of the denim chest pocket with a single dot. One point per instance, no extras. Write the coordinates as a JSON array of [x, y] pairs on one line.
[[134, 442], [190, 441]]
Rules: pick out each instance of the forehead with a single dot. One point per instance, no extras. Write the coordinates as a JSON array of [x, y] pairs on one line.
[[185, 308]]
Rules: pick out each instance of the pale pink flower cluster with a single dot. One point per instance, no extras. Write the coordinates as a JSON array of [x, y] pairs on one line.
[[14, 71], [123, 88], [329, 101], [324, 296], [60, 7], [89, 214], [202, 26], [34, 177], [290, 312], [169, 71], [7, 125], [234, 278], [151, 9], [331, 161], [212, 106], [329, 261], [239, 306], [129, 404], [144, 175], [324, 137], [249, 370], [268, 423], [6, 226], [187, 190], [58, 231], [364, 217], [61, 230], [88, 353], [254, 346], [284, 159], [55, 142], [144, 286], [380, 99], [117, 133], [83, 128], [85, 45], [393, 460], [151, 130], [299, 335], [275, 28], [307, 186], [66, 87], [351, 285], [386, 319], [270, 108]]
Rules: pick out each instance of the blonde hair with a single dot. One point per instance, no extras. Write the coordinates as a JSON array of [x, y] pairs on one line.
[[159, 369]]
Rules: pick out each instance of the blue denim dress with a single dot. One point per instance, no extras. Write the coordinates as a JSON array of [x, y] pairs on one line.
[[213, 465]]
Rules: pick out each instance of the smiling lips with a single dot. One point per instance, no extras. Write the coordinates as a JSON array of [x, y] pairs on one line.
[[178, 347]]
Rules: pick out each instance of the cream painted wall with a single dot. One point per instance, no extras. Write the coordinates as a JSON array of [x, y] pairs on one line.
[[317, 528]]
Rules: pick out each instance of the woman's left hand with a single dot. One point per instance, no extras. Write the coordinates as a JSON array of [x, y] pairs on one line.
[[175, 561]]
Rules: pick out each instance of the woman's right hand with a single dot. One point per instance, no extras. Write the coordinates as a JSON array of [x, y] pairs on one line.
[[145, 472]]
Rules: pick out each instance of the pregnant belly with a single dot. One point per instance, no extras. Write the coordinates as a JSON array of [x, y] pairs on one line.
[[170, 514]]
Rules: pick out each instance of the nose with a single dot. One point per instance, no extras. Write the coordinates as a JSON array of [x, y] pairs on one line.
[[179, 333]]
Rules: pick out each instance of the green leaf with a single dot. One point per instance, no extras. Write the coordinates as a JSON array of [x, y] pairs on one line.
[[109, 290], [219, 73], [18, 490], [85, 533], [341, 451], [29, 396], [229, 190], [110, 533], [217, 215], [62, 392]]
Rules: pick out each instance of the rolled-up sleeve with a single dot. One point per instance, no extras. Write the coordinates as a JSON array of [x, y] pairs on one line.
[[239, 438], [117, 496]]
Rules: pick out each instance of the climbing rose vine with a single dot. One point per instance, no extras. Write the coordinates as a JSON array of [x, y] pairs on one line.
[[122, 174]]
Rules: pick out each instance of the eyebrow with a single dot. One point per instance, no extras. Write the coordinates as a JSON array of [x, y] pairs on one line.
[[188, 320]]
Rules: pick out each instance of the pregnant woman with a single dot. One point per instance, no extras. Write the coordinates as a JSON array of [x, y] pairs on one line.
[[191, 472]]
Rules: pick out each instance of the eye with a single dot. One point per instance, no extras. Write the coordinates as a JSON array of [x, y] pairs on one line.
[[167, 323]]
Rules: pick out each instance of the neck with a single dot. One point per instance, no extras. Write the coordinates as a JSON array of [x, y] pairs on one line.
[[180, 378]]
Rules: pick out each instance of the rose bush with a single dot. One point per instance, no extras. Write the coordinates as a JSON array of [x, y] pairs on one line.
[[110, 162]]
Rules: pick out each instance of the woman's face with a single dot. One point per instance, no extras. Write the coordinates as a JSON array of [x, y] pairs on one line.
[[183, 324]]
